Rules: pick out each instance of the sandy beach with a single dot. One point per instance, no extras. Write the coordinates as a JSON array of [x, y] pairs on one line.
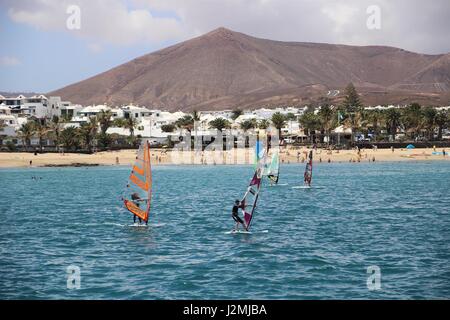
[[239, 156]]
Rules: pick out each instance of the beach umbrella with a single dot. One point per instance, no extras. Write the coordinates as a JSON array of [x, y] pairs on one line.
[[410, 146]]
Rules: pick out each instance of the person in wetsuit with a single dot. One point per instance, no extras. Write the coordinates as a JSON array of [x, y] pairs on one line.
[[136, 198], [307, 177], [235, 214]]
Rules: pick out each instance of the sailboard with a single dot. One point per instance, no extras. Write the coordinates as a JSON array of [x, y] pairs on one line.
[[272, 170], [238, 232], [138, 192], [308, 170], [250, 199]]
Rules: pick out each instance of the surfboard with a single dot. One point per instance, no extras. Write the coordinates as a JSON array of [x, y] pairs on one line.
[[138, 225], [245, 232], [308, 188], [238, 232]]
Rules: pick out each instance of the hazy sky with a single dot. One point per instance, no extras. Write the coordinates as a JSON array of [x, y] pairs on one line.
[[38, 52]]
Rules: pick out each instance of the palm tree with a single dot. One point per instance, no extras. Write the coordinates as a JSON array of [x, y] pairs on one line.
[[326, 117], [104, 120], [429, 115], [374, 120], [354, 121], [364, 124], [219, 124], [392, 119], [87, 133], [186, 122], [263, 124], [103, 140], [442, 120], [278, 121], [131, 124], [42, 131], [248, 125], [119, 122], [290, 117], [69, 138], [26, 132], [55, 128], [310, 122], [412, 118]]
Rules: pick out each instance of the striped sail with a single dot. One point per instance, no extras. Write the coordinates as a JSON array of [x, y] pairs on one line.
[[250, 198], [137, 196]]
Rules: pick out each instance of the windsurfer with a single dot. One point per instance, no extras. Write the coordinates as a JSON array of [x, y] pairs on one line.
[[235, 214], [307, 179], [271, 179], [308, 171], [136, 199]]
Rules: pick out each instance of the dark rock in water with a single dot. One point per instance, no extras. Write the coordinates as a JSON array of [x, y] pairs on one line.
[[77, 165]]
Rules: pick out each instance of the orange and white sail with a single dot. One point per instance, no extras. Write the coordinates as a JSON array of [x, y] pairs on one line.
[[138, 193]]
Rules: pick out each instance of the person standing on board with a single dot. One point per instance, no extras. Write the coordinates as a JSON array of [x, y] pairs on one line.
[[235, 214], [136, 198], [272, 179], [307, 177], [308, 174]]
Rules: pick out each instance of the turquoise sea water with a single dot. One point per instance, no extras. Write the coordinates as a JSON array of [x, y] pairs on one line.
[[306, 244]]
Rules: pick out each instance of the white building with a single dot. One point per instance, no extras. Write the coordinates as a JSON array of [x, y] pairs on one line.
[[69, 110], [135, 112], [83, 115], [225, 114], [38, 106], [4, 109], [12, 124]]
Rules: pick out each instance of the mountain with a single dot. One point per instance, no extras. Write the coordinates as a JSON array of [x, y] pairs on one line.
[[10, 94], [224, 69]]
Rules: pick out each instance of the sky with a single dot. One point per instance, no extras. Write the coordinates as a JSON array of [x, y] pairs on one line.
[[48, 44]]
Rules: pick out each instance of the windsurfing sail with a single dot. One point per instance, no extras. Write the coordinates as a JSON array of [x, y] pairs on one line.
[[248, 202], [138, 193], [259, 153], [272, 170], [308, 169]]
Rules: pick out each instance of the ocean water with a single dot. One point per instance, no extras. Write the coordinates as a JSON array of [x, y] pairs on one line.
[[306, 243]]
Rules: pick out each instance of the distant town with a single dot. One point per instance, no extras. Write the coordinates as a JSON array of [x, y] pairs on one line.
[[40, 123]]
